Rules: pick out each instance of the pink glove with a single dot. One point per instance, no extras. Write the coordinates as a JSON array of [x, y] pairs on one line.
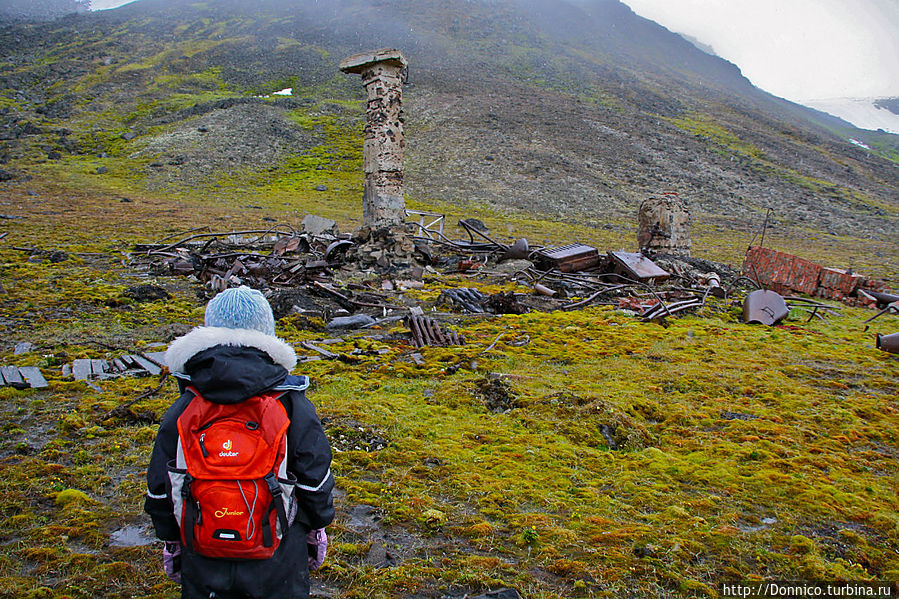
[[317, 542], [171, 560]]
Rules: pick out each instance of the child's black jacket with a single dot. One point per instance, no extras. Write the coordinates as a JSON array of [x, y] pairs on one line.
[[228, 366]]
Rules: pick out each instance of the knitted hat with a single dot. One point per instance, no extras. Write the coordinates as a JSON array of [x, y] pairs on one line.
[[241, 308]]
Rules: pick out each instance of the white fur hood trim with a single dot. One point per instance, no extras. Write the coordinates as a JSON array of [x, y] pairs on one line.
[[202, 338]]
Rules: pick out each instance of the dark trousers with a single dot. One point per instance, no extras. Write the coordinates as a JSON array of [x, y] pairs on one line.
[[284, 576]]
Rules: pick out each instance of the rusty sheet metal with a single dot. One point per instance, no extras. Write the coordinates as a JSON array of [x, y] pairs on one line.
[[888, 343], [764, 307], [570, 258], [426, 331], [638, 266]]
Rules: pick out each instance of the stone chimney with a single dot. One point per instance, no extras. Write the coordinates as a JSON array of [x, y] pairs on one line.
[[664, 225], [383, 72]]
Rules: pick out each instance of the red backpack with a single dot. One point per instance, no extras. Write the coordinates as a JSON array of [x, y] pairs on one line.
[[230, 486]]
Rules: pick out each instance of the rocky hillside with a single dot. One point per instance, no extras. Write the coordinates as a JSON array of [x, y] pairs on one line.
[[575, 111]]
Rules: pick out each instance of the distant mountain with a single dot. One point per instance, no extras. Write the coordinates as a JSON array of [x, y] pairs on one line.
[[699, 44], [865, 113], [575, 110], [23, 10]]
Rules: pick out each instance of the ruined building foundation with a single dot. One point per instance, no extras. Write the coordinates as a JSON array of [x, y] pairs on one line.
[[383, 72], [664, 225]]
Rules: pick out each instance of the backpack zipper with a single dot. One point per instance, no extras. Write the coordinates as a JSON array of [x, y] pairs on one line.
[[203, 446]]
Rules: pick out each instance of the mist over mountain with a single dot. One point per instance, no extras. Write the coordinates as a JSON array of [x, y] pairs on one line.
[[574, 109]]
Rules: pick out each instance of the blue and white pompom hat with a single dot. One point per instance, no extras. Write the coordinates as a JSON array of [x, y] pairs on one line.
[[241, 308]]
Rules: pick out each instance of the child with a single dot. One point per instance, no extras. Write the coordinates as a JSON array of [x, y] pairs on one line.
[[235, 361]]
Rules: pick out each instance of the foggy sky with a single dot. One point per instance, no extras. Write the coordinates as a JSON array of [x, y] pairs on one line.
[[796, 49]]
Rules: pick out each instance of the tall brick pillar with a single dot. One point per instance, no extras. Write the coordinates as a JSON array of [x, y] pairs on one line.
[[382, 74]]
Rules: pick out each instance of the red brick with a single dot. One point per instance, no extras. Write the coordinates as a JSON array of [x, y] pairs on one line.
[[840, 280], [782, 272]]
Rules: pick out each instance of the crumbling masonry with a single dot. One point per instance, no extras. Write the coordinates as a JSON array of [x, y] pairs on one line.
[[383, 72], [664, 225]]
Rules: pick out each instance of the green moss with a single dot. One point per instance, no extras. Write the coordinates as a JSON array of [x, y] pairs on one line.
[[69, 497]]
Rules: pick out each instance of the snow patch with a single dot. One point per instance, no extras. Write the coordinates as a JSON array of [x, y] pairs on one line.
[[861, 112], [284, 92], [859, 143]]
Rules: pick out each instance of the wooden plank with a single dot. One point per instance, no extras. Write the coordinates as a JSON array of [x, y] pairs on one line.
[[156, 356], [324, 353], [66, 370], [99, 367], [33, 377], [119, 365], [147, 365], [128, 361], [81, 368], [12, 377]]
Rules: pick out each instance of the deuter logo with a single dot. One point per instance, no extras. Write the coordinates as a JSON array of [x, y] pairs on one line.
[[228, 453], [226, 512]]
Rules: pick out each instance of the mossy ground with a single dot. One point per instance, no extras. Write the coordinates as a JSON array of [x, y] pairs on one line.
[[742, 451]]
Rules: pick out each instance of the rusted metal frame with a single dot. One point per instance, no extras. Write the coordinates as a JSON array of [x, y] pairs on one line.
[[647, 286], [423, 228], [349, 300], [483, 247], [891, 307], [586, 301], [204, 235], [471, 230], [293, 232], [812, 310], [671, 309], [188, 232], [232, 255], [807, 304], [806, 300]]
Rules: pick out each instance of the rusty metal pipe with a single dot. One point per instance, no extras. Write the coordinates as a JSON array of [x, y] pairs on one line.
[[888, 343]]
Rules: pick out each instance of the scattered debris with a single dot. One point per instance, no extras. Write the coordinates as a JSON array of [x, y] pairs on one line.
[[426, 331], [638, 267], [138, 364], [350, 322], [500, 594], [569, 258], [785, 273], [147, 293], [143, 417], [764, 307], [496, 393], [883, 299], [39, 256], [317, 225], [470, 300], [350, 435]]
